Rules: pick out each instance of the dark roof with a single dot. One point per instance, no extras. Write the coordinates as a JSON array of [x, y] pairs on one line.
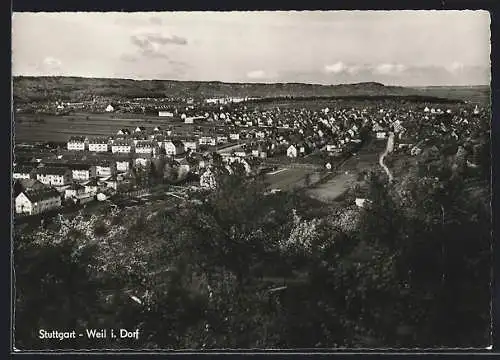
[[122, 143], [23, 169], [177, 143], [55, 164], [77, 139], [28, 184], [98, 140], [143, 155], [52, 170], [75, 186], [92, 182], [144, 143], [41, 194], [80, 166]]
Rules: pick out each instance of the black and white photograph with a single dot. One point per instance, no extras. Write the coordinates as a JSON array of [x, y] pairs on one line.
[[251, 180]]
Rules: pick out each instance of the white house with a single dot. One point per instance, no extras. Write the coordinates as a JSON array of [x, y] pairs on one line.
[[292, 151], [105, 169], [381, 135], [123, 132], [360, 202], [92, 187], [57, 176], [22, 172], [140, 129], [332, 148], [165, 114], [122, 165], [31, 202], [75, 191], [142, 160], [207, 180], [82, 172], [222, 139], [121, 147], [234, 136], [190, 145], [76, 143], [110, 108], [111, 182], [145, 147], [207, 140], [99, 145], [174, 147], [260, 134]]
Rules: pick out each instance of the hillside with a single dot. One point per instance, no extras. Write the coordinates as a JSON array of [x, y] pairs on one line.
[[27, 89]]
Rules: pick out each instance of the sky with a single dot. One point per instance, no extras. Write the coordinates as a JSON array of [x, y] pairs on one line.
[[407, 48]]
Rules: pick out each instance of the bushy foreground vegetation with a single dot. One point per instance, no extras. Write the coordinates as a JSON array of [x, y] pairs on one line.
[[235, 268]]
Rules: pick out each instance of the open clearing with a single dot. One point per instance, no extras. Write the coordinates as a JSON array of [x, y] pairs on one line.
[[59, 128], [365, 159], [288, 179]]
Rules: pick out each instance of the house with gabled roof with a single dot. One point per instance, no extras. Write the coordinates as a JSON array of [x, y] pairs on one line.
[[22, 172], [57, 176], [75, 191], [121, 147], [31, 202], [77, 143], [82, 172], [99, 144], [174, 147]]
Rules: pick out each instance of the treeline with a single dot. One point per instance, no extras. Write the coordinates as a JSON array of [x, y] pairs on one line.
[[406, 98]]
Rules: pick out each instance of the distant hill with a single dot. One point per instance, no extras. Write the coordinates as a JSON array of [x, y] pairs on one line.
[[27, 89]]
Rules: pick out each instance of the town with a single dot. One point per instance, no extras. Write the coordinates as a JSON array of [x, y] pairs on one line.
[[188, 141]]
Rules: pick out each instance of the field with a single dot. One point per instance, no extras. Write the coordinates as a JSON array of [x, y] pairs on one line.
[[288, 179], [365, 159], [60, 128]]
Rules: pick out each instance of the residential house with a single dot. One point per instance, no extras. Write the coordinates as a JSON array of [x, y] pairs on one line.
[[292, 151], [190, 144], [111, 182], [82, 172], [21, 185], [260, 135], [207, 140], [234, 136], [123, 132], [76, 143], [31, 202], [123, 164], [57, 176], [381, 135], [222, 139], [99, 145], [105, 168], [75, 191], [207, 180], [22, 172], [92, 187], [140, 129], [165, 114], [145, 147], [110, 108], [142, 160], [121, 147], [174, 147]]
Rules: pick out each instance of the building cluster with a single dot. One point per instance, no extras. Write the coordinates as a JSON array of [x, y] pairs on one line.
[[246, 136]]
